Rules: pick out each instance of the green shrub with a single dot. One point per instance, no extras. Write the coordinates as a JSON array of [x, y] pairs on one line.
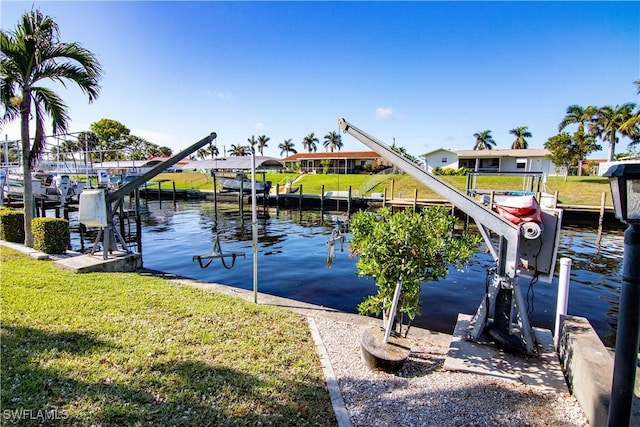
[[50, 235], [326, 164], [11, 225], [406, 247], [450, 171]]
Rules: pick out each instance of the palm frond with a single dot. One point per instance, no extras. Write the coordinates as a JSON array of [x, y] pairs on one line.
[[54, 106]]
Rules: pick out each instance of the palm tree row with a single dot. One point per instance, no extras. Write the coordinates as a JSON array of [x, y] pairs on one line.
[[332, 141], [607, 123], [485, 141]]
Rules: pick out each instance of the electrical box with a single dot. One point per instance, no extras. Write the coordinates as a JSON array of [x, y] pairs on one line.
[[537, 257], [93, 208]]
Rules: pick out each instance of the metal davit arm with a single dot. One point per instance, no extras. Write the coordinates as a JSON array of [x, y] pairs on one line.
[[506, 254], [484, 218], [113, 199], [137, 182]]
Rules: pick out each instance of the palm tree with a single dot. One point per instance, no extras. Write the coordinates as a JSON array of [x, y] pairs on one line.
[[239, 150], [287, 147], [88, 142], [33, 54], [585, 143], [201, 153], [262, 142], [310, 142], [611, 121], [211, 150], [333, 140], [484, 140], [520, 142], [70, 147], [634, 121], [579, 115]]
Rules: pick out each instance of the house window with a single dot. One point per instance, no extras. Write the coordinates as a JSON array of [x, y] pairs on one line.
[[444, 160], [521, 163]]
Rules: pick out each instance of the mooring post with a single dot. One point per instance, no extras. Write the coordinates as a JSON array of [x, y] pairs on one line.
[[82, 229], [160, 193], [563, 295], [384, 197], [136, 193], [415, 199], [392, 188], [601, 217], [322, 199], [174, 192], [300, 199], [241, 200], [349, 200], [215, 201]]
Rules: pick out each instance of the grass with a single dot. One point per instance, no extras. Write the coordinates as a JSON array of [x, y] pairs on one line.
[[586, 190], [126, 349]]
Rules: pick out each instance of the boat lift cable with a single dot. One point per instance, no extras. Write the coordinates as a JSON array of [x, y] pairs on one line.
[[337, 235], [205, 260]]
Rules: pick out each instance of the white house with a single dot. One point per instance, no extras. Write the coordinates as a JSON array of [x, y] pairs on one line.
[[441, 158], [523, 160]]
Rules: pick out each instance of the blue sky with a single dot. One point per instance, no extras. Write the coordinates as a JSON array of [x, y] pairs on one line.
[[429, 74]]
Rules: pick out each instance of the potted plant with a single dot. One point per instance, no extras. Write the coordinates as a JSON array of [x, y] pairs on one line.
[[401, 251]]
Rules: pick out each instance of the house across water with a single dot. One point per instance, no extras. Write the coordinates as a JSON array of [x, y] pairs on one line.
[[494, 161]]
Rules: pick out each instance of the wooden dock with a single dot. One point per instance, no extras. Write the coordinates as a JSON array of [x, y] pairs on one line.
[[340, 201]]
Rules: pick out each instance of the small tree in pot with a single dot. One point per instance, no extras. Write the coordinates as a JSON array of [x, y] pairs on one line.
[[402, 250]]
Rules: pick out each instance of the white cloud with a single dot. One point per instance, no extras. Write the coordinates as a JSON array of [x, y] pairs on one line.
[[385, 113], [260, 126], [223, 96]]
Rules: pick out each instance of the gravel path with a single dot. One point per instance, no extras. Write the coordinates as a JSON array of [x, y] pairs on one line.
[[424, 394]]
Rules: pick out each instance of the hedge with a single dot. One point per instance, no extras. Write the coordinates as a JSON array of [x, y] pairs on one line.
[[11, 225], [50, 235]]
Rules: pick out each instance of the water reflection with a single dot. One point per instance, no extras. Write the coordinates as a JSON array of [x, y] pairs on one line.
[[293, 263]]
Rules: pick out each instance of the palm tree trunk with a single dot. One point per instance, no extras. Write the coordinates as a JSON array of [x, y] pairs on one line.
[[27, 194], [612, 146]]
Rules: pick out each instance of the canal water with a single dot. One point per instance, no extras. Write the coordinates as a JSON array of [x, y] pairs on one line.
[[292, 263]]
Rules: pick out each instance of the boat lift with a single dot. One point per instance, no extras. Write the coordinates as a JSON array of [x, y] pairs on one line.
[[99, 206], [516, 251]]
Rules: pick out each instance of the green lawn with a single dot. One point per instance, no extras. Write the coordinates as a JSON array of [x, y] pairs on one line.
[[125, 349], [577, 190]]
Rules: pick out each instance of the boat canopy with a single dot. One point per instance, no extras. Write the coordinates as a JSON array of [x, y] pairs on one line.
[[235, 163]]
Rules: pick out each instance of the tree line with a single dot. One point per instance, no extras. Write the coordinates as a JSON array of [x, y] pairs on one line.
[[332, 141]]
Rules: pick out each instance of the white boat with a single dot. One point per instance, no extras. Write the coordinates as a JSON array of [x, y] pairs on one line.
[[242, 183], [43, 185]]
